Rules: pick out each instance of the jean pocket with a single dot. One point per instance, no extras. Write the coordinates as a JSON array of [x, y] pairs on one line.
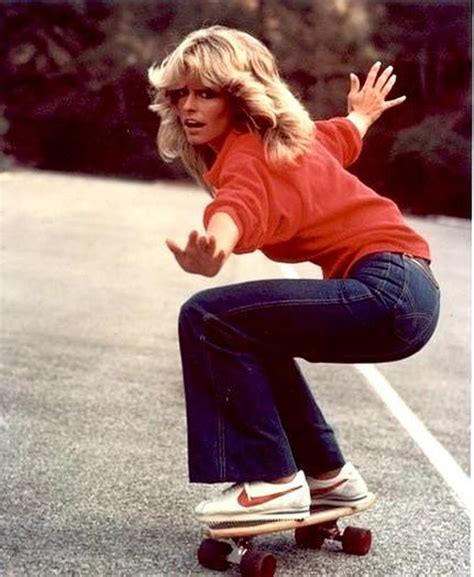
[[413, 327]]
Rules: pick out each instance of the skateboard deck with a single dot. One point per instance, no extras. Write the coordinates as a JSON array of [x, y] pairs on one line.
[[227, 543]]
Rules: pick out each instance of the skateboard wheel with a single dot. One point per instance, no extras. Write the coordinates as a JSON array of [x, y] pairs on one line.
[[356, 541], [257, 564], [309, 538], [212, 554]]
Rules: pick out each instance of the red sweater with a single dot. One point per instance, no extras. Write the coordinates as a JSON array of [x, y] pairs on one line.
[[315, 211]]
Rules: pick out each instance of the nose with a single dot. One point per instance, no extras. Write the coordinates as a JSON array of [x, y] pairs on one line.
[[189, 102]]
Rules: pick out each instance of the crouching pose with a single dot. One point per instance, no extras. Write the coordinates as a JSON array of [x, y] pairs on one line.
[[278, 184]]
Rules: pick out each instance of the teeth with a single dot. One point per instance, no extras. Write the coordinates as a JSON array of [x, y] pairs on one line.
[[193, 123]]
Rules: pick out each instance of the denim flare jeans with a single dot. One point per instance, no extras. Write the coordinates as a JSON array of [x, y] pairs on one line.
[[250, 413]]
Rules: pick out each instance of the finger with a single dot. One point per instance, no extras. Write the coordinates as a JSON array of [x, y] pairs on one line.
[[391, 103], [202, 243], [174, 248], [211, 244], [372, 75], [220, 256], [388, 86], [382, 79], [355, 84], [192, 239]]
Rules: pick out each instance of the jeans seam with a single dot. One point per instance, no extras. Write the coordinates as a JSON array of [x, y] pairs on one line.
[[220, 421], [426, 271], [305, 302], [405, 295]]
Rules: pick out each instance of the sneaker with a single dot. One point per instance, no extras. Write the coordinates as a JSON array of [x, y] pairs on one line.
[[347, 488], [258, 501]]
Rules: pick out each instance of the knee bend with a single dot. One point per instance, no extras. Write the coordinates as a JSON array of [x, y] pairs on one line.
[[194, 309]]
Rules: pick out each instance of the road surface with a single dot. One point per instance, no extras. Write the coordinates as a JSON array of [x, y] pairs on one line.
[[93, 477]]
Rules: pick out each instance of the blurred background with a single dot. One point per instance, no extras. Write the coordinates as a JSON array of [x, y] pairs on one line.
[[74, 94]]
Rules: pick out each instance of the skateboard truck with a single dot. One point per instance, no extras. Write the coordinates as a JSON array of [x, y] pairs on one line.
[[353, 540], [239, 549], [219, 555]]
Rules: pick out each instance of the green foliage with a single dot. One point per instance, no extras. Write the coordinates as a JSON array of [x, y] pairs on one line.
[[433, 157], [435, 144], [318, 44], [75, 96]]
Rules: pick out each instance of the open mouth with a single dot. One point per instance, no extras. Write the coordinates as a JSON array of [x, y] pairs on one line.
[[190, 123]]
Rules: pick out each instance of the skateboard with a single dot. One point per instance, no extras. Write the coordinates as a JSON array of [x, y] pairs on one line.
[[231, 543]]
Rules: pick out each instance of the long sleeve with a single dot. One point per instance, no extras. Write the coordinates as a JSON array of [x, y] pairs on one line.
[[341, 138], [243, 194]]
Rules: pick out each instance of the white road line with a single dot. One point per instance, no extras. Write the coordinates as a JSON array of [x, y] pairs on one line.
[[459, 483], [439, 457]]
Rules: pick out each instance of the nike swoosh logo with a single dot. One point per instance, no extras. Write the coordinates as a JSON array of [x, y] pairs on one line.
[[325, 490], [245, 501]]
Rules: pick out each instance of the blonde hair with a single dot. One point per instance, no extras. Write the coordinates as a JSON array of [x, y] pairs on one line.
[[231, 60]]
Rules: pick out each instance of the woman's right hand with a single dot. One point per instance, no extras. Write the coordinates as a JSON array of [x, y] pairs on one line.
[[199, 256]]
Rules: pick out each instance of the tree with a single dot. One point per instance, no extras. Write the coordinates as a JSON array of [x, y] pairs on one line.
[[74, 91], [318, 44]]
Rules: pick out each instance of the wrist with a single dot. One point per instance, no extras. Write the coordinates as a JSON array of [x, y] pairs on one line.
[[223, 228], [360, 121]]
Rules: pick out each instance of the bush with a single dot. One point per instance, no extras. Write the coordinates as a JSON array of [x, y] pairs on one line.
[[434, 159]]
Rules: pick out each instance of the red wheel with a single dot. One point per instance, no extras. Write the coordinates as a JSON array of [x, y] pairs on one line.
[[356, 541], [309, 537], [212, 554], [257, 564]]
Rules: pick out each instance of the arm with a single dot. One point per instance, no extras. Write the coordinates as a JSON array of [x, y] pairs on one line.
[[341, 138], [367, 104], [235, 221], [206, 254]]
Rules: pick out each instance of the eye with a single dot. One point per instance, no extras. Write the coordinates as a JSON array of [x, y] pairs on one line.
[[176, 94], [208, 93]]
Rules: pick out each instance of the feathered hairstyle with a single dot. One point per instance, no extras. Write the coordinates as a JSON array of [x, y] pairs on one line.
[[231, 60]]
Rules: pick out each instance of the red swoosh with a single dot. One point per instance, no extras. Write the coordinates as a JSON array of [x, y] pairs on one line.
[[325, 490], [245, 501]]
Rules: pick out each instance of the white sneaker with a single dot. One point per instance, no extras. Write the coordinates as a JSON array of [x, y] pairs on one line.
[[347, 488], [258, 501]]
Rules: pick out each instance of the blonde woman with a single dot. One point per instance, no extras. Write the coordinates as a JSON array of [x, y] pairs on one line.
[[279, 185]]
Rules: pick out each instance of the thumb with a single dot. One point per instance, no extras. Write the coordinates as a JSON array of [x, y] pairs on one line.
[[355, 84], [174, 248]]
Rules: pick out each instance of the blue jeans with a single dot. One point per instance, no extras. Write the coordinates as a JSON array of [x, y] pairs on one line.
[[250, 413]]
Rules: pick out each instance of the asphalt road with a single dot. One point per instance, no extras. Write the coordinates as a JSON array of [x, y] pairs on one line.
[[93, 477]]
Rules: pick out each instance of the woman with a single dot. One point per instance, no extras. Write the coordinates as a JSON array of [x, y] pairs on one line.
[[279, 185]]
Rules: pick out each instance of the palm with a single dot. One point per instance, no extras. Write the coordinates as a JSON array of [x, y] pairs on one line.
[[370, 100], [198, 256]]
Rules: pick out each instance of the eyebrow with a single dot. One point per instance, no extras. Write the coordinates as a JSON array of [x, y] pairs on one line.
[[174, 92]]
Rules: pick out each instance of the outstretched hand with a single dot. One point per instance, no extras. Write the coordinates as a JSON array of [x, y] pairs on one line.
[[369, 102], [198, 256]]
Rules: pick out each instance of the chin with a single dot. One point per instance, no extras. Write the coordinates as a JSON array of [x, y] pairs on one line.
[[196, 141]]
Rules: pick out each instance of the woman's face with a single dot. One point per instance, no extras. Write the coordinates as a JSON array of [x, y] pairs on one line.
[[205, 114]]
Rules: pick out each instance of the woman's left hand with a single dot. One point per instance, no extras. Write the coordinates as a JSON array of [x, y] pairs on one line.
[[368, 103]]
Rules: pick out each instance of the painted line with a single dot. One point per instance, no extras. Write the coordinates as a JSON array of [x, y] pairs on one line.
[[439, 457], [457, 480]]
